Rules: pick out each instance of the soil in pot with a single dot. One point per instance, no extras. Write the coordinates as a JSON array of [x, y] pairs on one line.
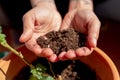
[[60, 41], [68, 70]]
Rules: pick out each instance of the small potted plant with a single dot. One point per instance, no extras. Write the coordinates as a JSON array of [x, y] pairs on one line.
[[98, 65]]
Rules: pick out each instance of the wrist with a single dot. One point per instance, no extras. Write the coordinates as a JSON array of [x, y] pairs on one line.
[[81, 4], [50, 3], [85, 4]]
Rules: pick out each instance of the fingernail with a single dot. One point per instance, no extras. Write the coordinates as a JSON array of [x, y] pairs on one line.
[[21, 38], [94, 42]]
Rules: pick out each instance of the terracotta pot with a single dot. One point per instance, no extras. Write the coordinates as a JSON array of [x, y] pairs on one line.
[[98, 60]]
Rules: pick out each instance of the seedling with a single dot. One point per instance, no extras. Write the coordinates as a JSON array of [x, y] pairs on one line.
[[38, 71]]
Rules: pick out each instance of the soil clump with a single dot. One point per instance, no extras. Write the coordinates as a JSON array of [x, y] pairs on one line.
[[62, 40]]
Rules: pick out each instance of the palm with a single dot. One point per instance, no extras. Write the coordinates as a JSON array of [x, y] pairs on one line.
[[84, 21], [80, 20], [45, 21], [37, 22]]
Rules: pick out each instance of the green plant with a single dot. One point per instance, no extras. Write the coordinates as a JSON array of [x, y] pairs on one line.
[[38, 71]]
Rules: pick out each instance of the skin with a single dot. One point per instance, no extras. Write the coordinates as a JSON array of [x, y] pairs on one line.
[[41, 19], [82, 18], [44, 17]]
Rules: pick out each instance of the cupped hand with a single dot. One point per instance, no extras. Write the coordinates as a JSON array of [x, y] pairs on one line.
[[37, 22], [84, 21]]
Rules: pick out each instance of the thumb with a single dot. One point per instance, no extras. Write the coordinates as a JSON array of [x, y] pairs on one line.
[[67, 21], [28, 26], [93, 33]]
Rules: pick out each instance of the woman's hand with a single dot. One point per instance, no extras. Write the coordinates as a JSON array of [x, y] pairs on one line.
[[40, 20], [84, 20]]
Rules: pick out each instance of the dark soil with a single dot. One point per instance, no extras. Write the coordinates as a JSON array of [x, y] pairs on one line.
[[69, 70], [63, 40]]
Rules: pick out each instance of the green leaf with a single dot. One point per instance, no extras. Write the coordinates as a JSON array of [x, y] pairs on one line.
[[47, 78], [40, 73], [2, 37], [43, 78]]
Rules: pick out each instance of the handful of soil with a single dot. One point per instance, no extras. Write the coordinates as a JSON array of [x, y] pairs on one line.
[[62, 40]]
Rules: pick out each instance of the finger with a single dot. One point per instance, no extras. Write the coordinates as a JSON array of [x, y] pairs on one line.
[[53, 58], [62, 56], [28, 26], [65, 24], [67, 20], [83, 51], [33, 46], [70, 54], [93, 33], [47, 52]]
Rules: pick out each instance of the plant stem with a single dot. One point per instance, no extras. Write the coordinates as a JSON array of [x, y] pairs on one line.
[[51, 69], [19, 54]]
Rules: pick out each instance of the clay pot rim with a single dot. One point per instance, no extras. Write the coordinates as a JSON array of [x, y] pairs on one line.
[[109, 61]]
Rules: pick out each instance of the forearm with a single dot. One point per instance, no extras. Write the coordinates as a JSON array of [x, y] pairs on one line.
[[81, 4], [39, 2]]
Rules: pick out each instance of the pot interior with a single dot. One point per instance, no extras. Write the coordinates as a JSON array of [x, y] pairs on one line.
[[98, 61]]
